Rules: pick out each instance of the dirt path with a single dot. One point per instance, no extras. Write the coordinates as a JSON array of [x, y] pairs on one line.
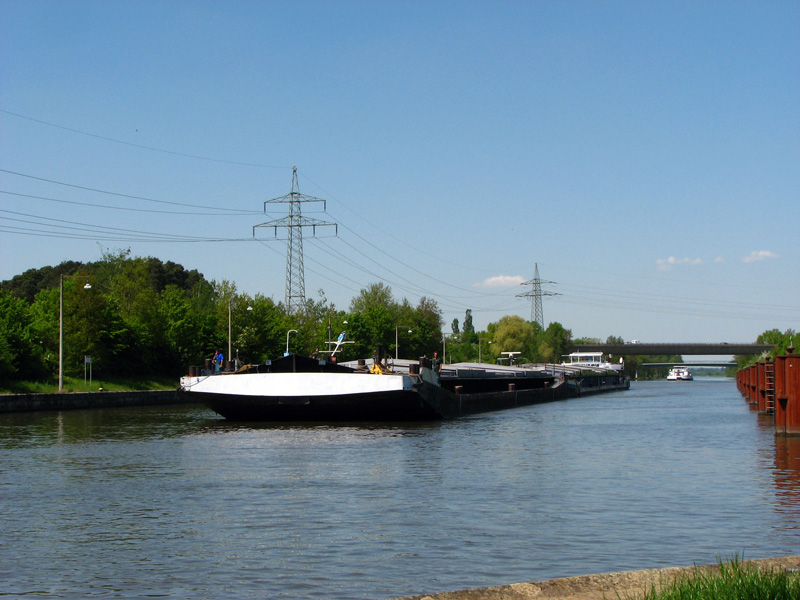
[[622, 585]]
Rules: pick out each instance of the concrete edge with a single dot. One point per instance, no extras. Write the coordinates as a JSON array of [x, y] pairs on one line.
[[10, 403], [620, 585]]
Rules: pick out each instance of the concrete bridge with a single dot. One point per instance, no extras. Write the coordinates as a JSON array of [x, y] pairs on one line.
[[691, 363], [681, 349]]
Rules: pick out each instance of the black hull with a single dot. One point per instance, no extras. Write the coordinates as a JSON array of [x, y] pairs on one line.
[[597, 384], [451, 405], [426, 402], [459, 393], [388, 406]]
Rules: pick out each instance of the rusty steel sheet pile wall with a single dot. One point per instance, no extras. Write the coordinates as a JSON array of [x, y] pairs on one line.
[[787, 395], [774, 387]]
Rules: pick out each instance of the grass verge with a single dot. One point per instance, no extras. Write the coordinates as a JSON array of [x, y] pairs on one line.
[[74, 384], [734, 580]]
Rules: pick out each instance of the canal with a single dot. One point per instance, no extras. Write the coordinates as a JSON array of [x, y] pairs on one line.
[[174, 502]]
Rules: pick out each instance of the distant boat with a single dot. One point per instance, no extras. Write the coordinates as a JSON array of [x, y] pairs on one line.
[[679, 374]]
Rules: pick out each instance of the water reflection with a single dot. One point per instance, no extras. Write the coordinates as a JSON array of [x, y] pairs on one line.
[[175, 501], [787, 474], [80, 426]]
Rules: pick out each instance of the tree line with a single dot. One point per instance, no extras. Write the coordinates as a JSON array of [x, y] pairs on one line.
[[781, 341], [142, 315]]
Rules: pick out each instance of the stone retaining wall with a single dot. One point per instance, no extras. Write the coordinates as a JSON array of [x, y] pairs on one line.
[[73, 401]]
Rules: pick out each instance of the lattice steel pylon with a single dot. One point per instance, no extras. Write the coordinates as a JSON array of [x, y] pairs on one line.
[[535, 295], [294, 223]]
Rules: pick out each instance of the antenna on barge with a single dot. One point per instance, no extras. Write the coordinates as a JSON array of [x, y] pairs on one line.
[[294, 223]]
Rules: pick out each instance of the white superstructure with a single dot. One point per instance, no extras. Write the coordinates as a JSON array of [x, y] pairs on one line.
[[591, 360], [296, 384]]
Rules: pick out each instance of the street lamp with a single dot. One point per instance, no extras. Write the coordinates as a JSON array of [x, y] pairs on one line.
[[61, 323], [444, 346], [479, 348], [249, 310], [396, 344], [287, 340]]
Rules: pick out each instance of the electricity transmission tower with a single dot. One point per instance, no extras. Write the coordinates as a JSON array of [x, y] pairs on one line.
[[294, 223], [535, 295]]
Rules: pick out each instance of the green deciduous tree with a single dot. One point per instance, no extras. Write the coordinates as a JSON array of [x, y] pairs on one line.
[[514, 334], [375, 294], [781, 341], [375, 315], [263, 330], [20, 356], [556, 343]]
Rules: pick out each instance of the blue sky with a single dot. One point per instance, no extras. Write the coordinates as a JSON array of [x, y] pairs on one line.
[[646, 155]]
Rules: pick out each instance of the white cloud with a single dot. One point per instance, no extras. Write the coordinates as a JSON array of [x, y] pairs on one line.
[[757, 255], [666, 264], [501, 281], [719, 259]]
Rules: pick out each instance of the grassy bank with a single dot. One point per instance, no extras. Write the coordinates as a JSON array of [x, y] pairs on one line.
[[762, 579], [734, 580], [74, 384]]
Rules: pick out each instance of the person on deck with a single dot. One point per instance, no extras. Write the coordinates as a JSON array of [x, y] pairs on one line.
[[436, 364]]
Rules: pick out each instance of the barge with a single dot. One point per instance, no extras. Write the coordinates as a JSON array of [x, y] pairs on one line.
[[302, 388]]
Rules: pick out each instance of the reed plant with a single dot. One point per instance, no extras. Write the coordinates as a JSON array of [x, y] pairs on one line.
[[733, 580]]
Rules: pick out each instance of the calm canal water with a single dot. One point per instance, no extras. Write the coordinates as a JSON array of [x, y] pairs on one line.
[[174, 502]]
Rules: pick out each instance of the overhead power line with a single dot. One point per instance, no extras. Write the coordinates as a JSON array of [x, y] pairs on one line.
[[141, 146], [88, 189], [126, 208], [342, 252]]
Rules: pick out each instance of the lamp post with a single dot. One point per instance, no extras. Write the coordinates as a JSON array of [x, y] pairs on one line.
[[61, 323], [444, 346], [287, 340], [396, 343], [480, 359], [249, 312], [230, 351]]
